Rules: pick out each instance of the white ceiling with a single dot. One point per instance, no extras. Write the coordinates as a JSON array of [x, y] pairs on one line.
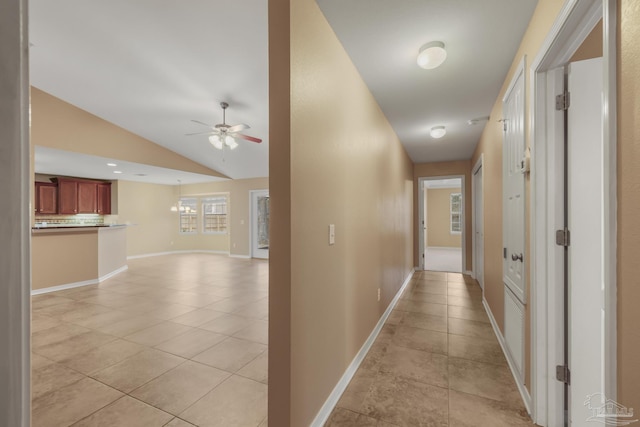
[[383, 38], [150, 66]]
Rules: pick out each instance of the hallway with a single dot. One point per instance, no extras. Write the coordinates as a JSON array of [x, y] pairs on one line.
[[436, 362]]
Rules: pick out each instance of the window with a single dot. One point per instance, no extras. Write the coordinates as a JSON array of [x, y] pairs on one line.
[[188, 215], [214, 214], [456, 213]]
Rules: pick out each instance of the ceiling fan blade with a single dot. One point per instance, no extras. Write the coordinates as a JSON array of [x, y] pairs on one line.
[[247, 137], [238, 128], [202, 123], [209, 132]]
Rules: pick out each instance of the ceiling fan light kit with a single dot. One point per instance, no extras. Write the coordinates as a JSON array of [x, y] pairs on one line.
[[223, 135], [438, 132], [432, 55]]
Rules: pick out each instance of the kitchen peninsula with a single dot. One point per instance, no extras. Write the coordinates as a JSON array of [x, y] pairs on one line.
[[70, 256]]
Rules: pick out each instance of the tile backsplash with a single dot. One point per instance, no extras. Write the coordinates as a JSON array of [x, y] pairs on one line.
[[87, 219]]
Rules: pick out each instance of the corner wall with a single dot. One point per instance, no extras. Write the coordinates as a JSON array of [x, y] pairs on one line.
[[354, 174]]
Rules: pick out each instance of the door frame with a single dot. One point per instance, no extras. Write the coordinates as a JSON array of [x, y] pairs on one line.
[[474, 254], [252, 214], [574, 23], [421, 243]]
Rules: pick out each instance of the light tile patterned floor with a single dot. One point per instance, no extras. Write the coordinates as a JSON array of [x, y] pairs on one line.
[[177, 340], [436, 362]]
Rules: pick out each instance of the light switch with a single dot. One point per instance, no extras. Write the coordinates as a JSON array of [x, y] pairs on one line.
[[332, 234]]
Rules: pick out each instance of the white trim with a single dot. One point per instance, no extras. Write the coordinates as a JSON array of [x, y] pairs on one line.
[[79, 284], [469, 273], [474, 255], [242, 256], [458, 248], [574, 22], [421, 245], [524, 393], [324, 413], [189, 251]]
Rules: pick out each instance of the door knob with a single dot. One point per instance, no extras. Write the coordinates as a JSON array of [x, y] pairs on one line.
[[515, 257]]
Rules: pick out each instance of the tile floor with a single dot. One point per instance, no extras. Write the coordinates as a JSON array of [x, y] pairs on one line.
[[436, 362], [177, 340]]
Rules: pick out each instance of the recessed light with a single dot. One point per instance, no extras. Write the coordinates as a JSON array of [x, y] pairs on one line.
[[117, 171], [113, 165], [432, 55], [140, 174], [438, 132]]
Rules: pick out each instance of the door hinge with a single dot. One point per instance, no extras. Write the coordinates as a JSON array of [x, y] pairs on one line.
[[563, 101], [504, 253], [563, 237], [563, 374]]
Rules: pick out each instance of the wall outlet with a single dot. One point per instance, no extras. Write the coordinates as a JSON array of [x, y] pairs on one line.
[[378, 294]]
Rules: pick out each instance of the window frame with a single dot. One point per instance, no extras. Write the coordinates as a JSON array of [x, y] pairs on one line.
[[203, 218], [458, 213], [182, 202]]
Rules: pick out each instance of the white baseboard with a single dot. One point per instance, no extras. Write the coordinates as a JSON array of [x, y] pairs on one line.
[[193, 251], [526, 397], [469, 273], [240, 256], [80, 284], [324, 413]]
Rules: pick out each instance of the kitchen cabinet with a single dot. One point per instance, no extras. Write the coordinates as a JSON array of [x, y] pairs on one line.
[[77, 196], [46, 198], [104, 198], [67, 196]]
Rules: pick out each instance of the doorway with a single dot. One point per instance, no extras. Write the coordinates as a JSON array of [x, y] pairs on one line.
[[478, 222], [442, 223], [573, 221], [259, 224]]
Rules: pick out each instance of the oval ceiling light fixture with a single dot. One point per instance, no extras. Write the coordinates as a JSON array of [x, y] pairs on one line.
[[437, 132], [432, 55]]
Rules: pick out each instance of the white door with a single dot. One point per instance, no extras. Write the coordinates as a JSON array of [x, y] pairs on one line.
[[425, 240], [584, 221], [513, 188], [478, 227], [260, 224]]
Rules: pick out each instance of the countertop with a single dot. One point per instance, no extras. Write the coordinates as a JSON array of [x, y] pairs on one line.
[[74, 227]]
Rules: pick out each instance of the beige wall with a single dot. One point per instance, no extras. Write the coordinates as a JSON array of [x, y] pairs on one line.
[[237, 241], [439, 220], [51, 264], [354, 174], [58, 124], [147, 207], [591, 47], [628, 203], [425, 170]]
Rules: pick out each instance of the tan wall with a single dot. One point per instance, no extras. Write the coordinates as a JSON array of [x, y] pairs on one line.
[[628, 203], [147, 208], [591, 47], [439, 220], [354, 174], [155, 227], [60, 125], [425, 170], [63, 258], [237, 242]]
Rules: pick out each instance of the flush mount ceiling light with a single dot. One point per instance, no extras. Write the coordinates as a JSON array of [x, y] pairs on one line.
[[438, 132], [432, 55]]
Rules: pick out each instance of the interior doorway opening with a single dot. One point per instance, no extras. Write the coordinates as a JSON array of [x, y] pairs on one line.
[[441, 223]]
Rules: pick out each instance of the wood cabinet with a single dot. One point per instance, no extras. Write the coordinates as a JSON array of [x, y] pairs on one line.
[[104, 198], [77, 196], [46, 198]]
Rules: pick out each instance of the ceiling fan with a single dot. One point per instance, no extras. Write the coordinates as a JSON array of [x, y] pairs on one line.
[[222, 134]]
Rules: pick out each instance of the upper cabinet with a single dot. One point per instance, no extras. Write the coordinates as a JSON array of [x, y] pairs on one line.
[[46, 198], [77, 196]]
